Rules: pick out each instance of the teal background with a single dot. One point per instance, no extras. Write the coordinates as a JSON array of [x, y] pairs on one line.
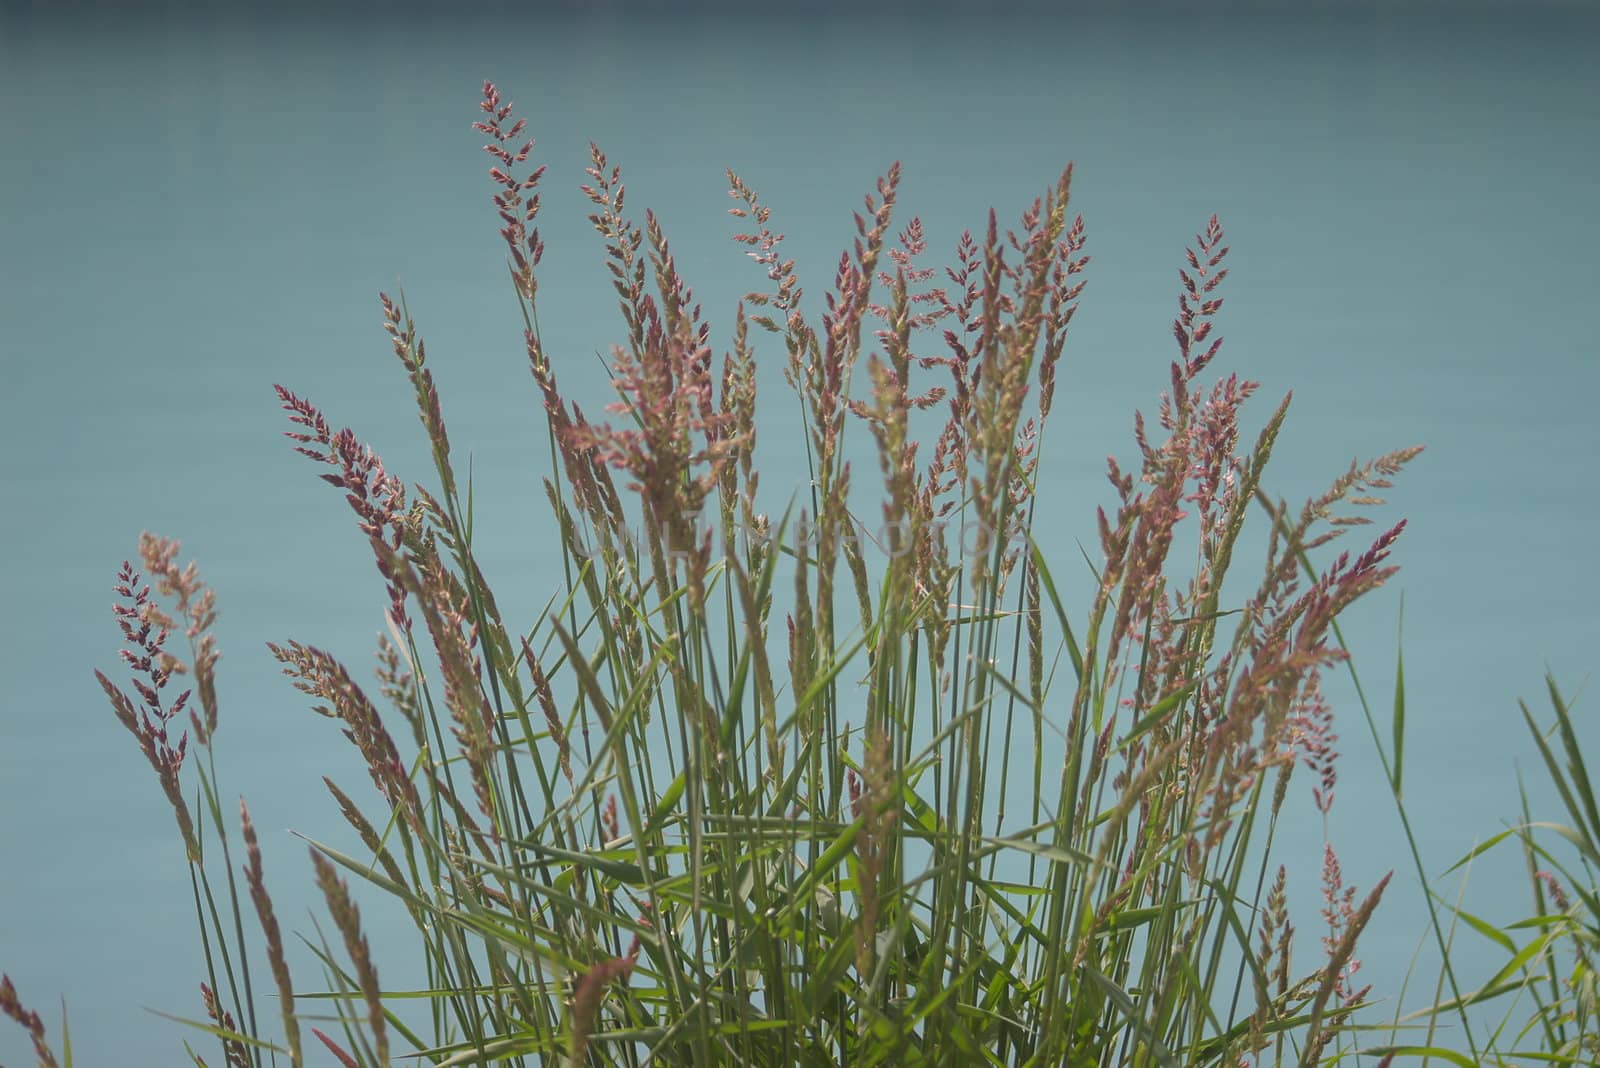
[[196, 203]]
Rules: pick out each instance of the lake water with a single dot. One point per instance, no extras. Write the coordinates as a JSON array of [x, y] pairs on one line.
[[198, 206]]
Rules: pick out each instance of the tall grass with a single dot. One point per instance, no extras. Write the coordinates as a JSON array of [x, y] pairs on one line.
[[769, 790]]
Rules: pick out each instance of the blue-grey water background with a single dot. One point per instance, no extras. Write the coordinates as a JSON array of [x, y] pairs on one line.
[[198, 204]]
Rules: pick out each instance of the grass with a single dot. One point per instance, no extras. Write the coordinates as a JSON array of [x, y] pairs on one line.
[[774, 790]]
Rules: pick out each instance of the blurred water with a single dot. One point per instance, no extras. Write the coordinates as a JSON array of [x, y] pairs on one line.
[[198, 205]]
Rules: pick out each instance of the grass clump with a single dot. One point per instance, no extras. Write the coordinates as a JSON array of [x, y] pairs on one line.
[[764, 790]]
